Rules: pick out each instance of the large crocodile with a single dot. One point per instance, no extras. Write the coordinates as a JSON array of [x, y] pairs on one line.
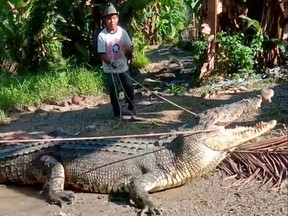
[[132, 166]]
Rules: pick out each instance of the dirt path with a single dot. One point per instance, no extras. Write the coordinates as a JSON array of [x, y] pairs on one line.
[[92, 117], [205, 197]]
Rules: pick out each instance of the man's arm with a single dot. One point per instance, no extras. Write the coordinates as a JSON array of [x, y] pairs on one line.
[[108, 61], [127, 45], [102, 51], [105, 58]]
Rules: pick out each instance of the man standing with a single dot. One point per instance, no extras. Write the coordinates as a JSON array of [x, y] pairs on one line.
[[114, 44]]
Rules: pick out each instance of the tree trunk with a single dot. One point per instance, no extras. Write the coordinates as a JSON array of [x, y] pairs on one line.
[[209, 25]]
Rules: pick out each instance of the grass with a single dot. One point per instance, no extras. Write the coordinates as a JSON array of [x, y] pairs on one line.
[[31, 90], [140, 60], [176, 89]]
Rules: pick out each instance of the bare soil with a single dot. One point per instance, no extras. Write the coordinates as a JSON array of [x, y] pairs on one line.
[[93, 117]]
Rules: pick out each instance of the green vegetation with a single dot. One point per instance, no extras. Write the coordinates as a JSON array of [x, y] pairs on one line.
[[140, 47], [161, 21], [141, 60], [57, 37], [199, 50], [176, 89], [234, 57], [238, 53], [31, 90], [37, 34]]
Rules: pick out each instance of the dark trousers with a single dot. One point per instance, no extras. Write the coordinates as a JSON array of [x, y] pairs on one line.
[[115, 84]]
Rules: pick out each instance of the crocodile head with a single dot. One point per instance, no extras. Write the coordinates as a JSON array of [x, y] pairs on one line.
[[221, 116], [228, 139]]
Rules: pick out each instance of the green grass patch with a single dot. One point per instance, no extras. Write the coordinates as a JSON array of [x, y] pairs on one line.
[[176, 89], [140, 60], [31, 90]]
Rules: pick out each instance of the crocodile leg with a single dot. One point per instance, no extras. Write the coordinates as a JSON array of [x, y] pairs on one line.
[[54, 178], [139, 193]]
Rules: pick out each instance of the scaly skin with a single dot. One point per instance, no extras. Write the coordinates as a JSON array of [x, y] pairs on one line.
[[104, 166]]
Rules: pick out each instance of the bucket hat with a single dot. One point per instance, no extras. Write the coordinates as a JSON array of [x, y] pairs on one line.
[[110, 10]]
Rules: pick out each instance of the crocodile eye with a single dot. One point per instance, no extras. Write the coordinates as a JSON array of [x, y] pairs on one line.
[[156, 143]]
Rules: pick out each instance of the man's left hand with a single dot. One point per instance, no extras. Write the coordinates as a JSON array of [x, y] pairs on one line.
[[127, 50]]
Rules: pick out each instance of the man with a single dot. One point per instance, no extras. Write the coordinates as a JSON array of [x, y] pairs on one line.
[[114, 44]]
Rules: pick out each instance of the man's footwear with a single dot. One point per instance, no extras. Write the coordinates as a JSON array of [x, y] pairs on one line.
[[133, 111], [129, 112], [116, 118]]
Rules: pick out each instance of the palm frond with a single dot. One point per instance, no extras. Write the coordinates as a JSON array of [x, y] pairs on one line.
[[265, 162]]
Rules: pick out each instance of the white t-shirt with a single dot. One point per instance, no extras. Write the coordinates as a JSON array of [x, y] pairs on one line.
[[111, 44]]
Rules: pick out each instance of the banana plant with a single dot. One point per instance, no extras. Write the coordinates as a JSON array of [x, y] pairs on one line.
[[12, 30]]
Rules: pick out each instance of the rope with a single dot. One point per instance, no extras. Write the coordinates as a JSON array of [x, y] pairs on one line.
[[121, 160], [118, 101], [121, 136], [125, 93], [235, 150], [107, 137], [117, 96], [159, 96]]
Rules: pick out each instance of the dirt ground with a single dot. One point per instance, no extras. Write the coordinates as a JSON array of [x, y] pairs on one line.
[[93, 117]]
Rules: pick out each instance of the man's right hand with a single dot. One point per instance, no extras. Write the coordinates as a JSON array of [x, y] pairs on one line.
[[113, 65]]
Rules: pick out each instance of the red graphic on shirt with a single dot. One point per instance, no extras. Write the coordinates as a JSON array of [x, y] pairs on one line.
[[115, 49]]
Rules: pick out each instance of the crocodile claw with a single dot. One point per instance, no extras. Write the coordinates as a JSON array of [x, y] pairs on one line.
[[62, 197], [151, 211]]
